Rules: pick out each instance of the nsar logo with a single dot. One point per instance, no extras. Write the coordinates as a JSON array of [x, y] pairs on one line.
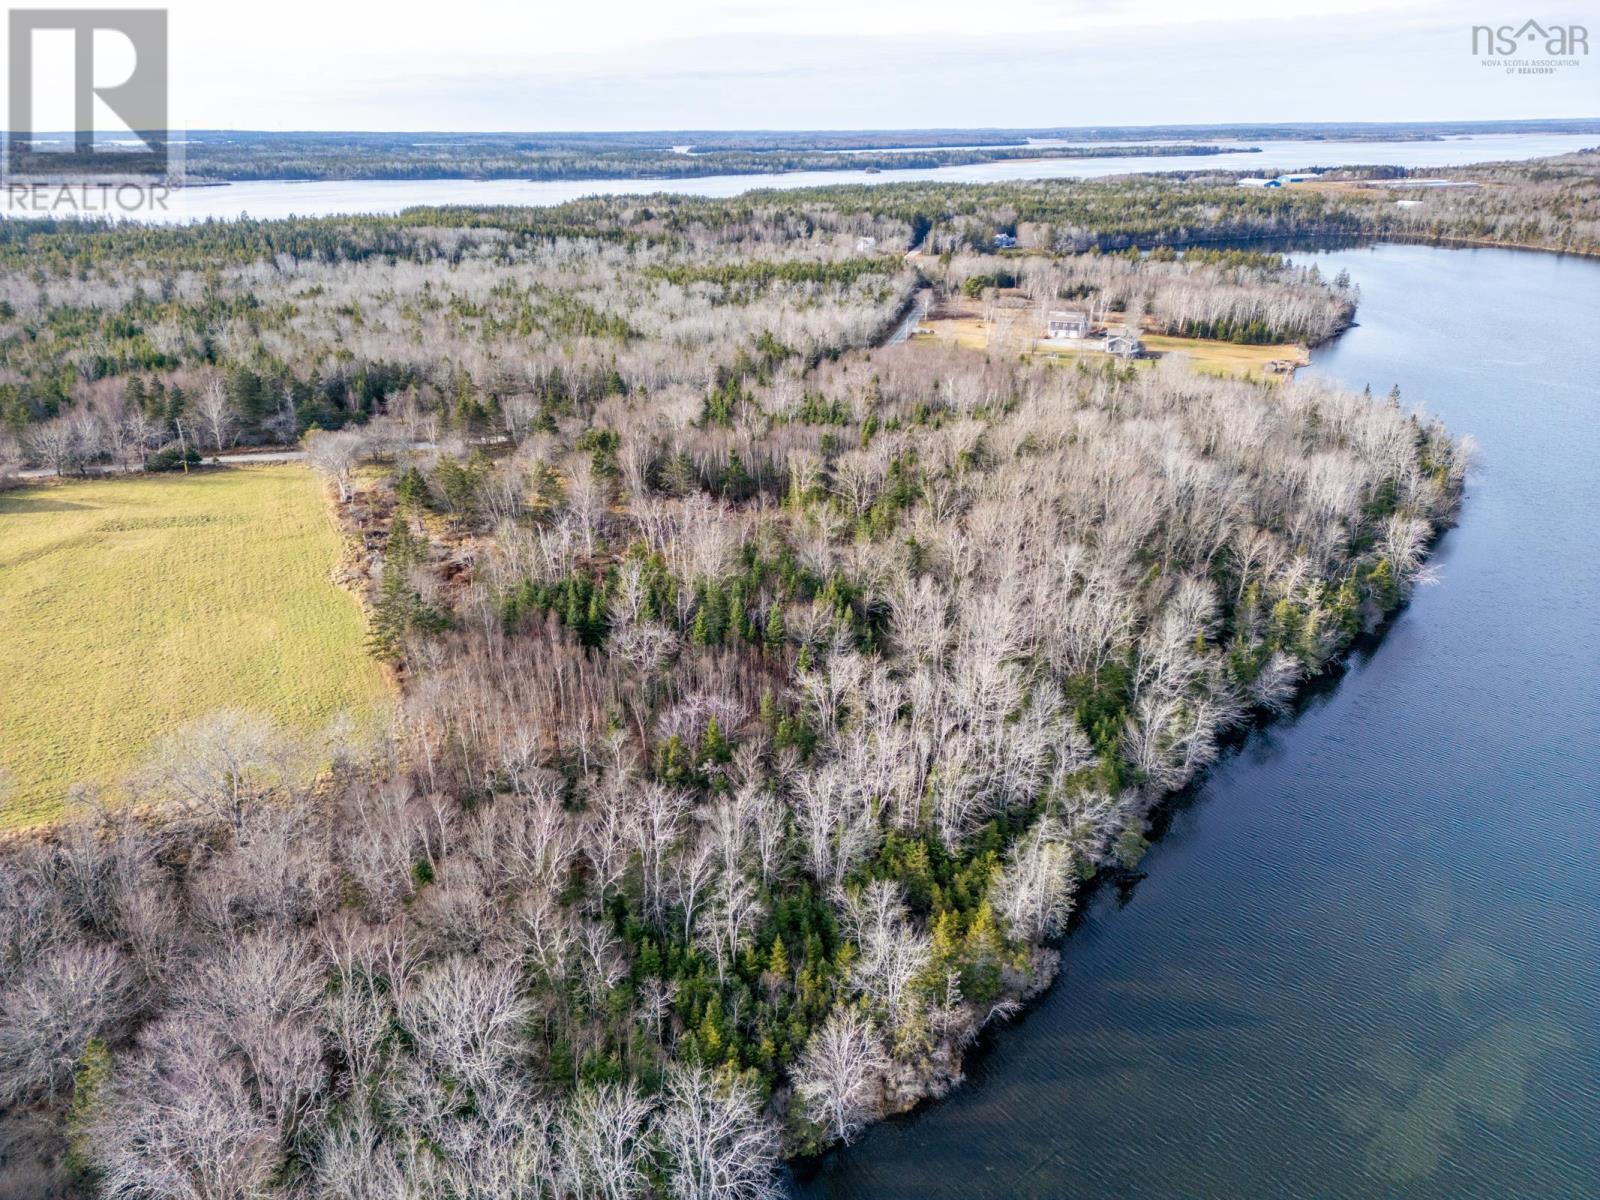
[[1552, 41]]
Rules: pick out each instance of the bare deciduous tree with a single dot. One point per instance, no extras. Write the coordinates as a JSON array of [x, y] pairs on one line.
[[838, 1075], [335, 455], [717, 1145], [1034, 891], [221, 765], [602, 1136], [215, 413], [51, 1009]]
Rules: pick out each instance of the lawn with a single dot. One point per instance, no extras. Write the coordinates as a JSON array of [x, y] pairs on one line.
[[130, 606], [1225, 358], [972, 332]]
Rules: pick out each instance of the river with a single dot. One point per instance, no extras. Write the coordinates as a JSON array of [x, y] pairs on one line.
[[277, 198], [1364, 957]]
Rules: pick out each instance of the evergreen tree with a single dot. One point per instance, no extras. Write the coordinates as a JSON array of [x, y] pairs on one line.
[[775, 632]]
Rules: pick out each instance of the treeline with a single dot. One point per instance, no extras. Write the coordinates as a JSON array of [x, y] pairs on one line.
[[1307, 131], [1549, 204], [1552, 204], [212, 159]]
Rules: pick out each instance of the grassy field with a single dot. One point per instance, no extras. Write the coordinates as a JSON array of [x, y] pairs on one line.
[[1225, 358], [971, 332], [131, 606]]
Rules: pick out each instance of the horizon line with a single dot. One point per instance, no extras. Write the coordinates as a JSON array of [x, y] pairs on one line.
[[883, 129]]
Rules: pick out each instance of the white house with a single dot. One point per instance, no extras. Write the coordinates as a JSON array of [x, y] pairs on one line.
[[1066, 324]]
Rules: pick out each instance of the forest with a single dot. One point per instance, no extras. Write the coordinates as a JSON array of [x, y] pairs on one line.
[[254, 331], [1549, 204], [768, 692], [240, 334]]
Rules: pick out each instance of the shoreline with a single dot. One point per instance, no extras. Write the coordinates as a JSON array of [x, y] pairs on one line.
[[1322, 843], [949, 1060]]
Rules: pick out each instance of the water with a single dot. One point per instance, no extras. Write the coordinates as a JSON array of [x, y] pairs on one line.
[[1365, 958], [281, 198]]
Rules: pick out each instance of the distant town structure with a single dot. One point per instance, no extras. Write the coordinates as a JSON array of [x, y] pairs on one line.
[[1066, 324], [1427, 183], [1004, 241], [1280, 180]]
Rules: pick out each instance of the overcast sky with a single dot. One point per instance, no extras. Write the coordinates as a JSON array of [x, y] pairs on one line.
[[672, 64]]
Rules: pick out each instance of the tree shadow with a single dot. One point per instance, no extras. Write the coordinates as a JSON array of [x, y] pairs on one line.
[[31, 504]]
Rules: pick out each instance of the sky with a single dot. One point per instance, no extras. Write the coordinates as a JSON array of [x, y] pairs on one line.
[[851, 64]]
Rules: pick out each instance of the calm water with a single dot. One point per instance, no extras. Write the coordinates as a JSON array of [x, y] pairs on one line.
[[1365, 959], [282, 199]]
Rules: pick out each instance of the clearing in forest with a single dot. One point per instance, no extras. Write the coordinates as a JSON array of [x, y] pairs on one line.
[[1208, 355], [131, 606]]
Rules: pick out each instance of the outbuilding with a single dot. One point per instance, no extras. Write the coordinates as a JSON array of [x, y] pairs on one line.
[[1124, 345]]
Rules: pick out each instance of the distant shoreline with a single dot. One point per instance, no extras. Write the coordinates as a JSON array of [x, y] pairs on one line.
[[673, 166], [254, 156]]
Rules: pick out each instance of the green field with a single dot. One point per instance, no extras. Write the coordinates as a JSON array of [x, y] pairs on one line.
[[131, 606]]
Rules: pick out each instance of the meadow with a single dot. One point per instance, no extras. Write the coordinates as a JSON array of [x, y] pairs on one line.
[[131, 606], [1208, 355]]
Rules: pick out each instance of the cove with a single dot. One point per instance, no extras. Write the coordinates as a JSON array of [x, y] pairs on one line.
[[1363, 958]]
